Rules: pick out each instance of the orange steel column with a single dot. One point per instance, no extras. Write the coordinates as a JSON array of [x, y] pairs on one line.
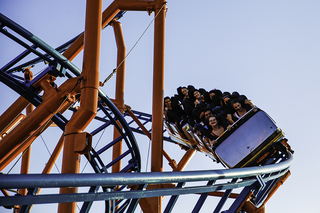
[[77, 45], [119, 96], [158, 88], [157, 102], [25, 162], [89, 95]]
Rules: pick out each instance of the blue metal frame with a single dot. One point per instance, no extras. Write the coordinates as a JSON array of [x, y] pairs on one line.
[[243, 177]]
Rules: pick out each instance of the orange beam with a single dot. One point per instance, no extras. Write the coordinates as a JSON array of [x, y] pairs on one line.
[[25, 161], [185, 160], [277, 185], [13, 124], [89, 96], [54, 156], [171, 161], [158, 90], [145, 131], [38, 117], [120, 82], [107, 15], [157, 98], [24, 145], [12, 112]]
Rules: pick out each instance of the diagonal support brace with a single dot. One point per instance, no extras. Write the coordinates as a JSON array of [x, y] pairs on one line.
[[261, 182]]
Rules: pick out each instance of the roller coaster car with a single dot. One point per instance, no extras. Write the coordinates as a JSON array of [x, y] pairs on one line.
[[252, 139], [249, 139], [187, 138]]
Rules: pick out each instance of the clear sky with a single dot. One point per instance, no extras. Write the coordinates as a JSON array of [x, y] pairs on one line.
[[267, 50]]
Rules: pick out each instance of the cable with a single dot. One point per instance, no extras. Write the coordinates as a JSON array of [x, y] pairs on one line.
[[148, 155], [115, 70], [49, 153]]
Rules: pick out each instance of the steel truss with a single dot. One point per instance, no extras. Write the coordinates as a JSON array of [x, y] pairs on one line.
[[121, 191]]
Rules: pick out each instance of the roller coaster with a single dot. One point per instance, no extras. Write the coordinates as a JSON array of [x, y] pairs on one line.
[[254, 151]]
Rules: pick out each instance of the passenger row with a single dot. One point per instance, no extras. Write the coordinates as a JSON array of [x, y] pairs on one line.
[[209, 114]]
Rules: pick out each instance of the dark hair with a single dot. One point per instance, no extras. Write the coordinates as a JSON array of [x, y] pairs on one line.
[[237, 101], [214, 115], [235, 95], [226, 94], [164, 100], [216, 91], [180, 93]]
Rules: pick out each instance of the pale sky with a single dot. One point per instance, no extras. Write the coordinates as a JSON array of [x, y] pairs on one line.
[[267, 50]]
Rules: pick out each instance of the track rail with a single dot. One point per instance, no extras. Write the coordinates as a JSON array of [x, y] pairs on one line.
[[242, 177]]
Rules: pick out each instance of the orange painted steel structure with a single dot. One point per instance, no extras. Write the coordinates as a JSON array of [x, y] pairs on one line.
[[60, 99], [158, 79], [37, 118], [11, 113], [54, 99], [25, 161], [24, 145], [120, 82], [89, 96]]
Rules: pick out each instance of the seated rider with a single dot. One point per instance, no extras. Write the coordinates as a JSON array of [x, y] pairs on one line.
[[240, 108], [169, 114], [215, 129]]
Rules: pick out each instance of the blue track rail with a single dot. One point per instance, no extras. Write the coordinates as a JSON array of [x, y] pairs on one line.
[[246, 178]]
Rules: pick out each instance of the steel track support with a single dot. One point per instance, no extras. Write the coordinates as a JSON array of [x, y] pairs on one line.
[[157, 98], [243, 196], [119, 96], [26, 154], [89, 97], [202, 198], [173, 199], [224, 198]]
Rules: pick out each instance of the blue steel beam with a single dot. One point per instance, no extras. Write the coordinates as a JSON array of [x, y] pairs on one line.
[[78, 180], [173, 199], [114, 195], [224, 198], [202, 198]]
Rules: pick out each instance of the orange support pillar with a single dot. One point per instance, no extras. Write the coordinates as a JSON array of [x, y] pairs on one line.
[[89, 96], [78, 44], [158, 90], [157, 102], [25, 162], [119, 96]]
